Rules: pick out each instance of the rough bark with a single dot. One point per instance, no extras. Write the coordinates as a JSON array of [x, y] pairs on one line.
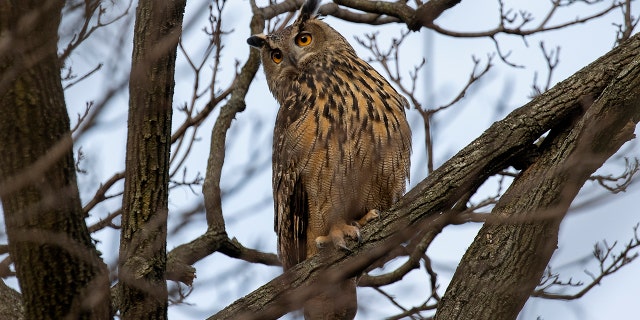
[[505, 262], [424, 206], [236, 104], [143, 289], [48, 238], [11, 306]]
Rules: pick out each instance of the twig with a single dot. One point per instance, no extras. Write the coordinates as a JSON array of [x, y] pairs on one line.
[[602, 253], [91, 7], [552, 59], [627, 176], [86, 75]]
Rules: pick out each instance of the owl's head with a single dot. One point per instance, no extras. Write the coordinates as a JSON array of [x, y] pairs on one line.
[[306, 44]]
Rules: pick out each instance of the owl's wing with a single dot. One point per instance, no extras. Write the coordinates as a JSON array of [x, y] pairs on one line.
[[290, 197]]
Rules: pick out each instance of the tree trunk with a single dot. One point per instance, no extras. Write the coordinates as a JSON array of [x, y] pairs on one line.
[[48, 238], [505, 262], [143, 288]]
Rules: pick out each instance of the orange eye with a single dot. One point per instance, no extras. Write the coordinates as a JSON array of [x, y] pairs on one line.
[[303, 39], [276, 56]]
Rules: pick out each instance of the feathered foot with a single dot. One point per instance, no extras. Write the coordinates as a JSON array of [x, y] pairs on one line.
[[372, 214], [338, 232]]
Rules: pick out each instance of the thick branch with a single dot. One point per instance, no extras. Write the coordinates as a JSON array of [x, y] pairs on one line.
[[505, 262], [180, 259], [422, 207], [381, 12], [374, 12], [211, 186]]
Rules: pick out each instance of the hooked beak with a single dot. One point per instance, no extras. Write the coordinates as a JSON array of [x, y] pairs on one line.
[[293, 59]]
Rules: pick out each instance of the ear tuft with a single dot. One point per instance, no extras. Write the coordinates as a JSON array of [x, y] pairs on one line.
[[309, 9], [257, 40]]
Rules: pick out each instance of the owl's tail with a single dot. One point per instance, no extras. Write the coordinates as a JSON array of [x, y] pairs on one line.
[[337, 304]]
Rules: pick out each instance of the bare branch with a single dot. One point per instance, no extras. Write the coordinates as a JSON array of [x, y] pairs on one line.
[[626, 28], [416, 310], [391, 299], [100, 194], [5, 270], [473, 77], [609, 263], [414, 18], [525, 18], [417, 253], [180, 259], [85, 76], [630, 170], [82, 117], [552, 59], [90, 9]]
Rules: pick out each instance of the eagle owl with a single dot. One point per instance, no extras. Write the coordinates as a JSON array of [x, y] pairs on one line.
[[341, 145]]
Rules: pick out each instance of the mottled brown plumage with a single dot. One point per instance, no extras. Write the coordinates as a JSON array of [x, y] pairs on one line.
[[341, 142]]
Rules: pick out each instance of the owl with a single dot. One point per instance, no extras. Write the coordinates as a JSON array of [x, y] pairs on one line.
[[341, 145]]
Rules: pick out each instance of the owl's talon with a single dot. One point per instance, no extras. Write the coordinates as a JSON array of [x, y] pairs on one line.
[[358, 235], [322, 241], [337, 235], [371, 215], [341, 244]]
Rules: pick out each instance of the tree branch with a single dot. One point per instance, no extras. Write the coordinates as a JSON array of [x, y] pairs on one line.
[[211, 186], [215, 238], [617, 261], [505, 262]]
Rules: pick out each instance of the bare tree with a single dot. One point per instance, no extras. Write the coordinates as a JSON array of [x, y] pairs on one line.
[[543, 153]]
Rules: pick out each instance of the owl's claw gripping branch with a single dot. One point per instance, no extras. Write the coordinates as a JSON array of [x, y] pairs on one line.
[[339, 231], [337, 234], [372, 214]]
